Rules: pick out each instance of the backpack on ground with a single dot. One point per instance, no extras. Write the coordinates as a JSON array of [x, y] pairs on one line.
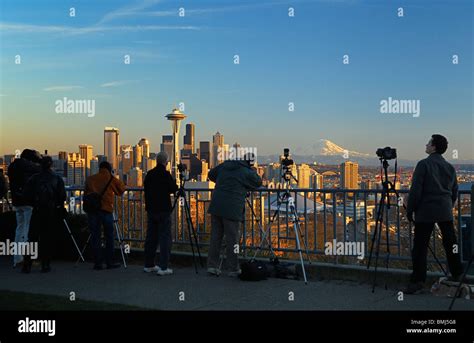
[[253, 270]]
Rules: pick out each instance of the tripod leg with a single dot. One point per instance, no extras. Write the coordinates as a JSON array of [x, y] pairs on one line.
[[73, 240], [456, 294], [84, 249], [266, 233], [374, 235], [298, 226], [298, 246], [191, 230], [119, 237], [436, 259], [377, 250]]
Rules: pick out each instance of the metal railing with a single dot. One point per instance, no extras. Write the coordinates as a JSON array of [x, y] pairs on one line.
[[346, 215]]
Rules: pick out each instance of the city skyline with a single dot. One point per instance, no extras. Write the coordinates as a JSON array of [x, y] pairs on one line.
[[282, 60]]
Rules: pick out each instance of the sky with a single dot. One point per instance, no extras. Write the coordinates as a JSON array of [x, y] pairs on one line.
[[190, 59]]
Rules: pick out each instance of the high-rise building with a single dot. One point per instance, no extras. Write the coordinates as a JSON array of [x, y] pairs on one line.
[[136, 177], [101, 158], [62, 155], [137, 156], [60, 167], [217, 149], [317, 181], [367, 184], [145, 147], [198, 168], [75, 169], [205, 152], [94, 165], [304, 173], [86, 153], [126, 158], [167, 145], [111, 146], [189, 138], [349, 175]]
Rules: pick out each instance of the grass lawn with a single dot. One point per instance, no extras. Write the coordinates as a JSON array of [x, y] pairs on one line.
[[19, 301]]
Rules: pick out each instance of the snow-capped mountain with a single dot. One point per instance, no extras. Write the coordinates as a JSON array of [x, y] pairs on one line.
[[328, 148]]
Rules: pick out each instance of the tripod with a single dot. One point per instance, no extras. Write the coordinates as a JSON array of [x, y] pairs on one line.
[[254, 215], [119, 238], [387, 187], [181, 194], [81, 257], [286, 198]]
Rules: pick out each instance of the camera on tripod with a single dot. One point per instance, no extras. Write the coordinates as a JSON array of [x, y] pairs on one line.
[[182, 171], [386, 153], [286, 163]]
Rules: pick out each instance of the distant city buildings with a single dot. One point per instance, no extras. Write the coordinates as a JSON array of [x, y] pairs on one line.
[[349, 175], [111, 146]]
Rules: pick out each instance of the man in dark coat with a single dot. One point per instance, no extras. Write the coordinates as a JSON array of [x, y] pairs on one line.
[[46, 192], [431, 200], [233, 180], [159, 184], [19, 172]]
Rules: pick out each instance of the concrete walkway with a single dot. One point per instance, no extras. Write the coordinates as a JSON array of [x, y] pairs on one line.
[[186, 290]]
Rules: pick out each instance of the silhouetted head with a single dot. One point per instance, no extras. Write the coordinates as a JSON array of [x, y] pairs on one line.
[[438, 144], [249, 158], [46, 163], [105, 165], [162, 158]]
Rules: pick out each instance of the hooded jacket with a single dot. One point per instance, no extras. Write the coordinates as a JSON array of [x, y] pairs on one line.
[[233, 180]]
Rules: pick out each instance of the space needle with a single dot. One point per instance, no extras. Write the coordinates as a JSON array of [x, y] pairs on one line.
[[175, 117]]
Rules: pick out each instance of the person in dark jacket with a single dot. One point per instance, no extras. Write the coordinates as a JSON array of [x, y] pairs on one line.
[[19, 172], [233, 180], [431, 200], [159, 184], [105, 182], [46, 192]]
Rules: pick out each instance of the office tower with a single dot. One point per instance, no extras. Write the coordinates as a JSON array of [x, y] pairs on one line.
[[94, 165], [205, 152], [136, 177], [85, 151], [60, 167], [137, 156], [126, 158], [75, 169], [167, 145], [198, 168], [145, 145], [189, 138], [217, 148], [111, 146], [304, 173], [317, 181], [349, 175], [62, 155], [272, 172], [150, 164]]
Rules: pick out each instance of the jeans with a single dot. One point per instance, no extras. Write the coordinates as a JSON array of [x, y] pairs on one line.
[[23, 218], [158, 232], [96, 220], [230, 228], [420, 249]]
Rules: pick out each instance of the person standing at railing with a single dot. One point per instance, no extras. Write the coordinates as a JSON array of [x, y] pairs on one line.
[[159, 184], [19, 171], [108, 186], [431, 200], [233, 180], [46, 192]]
